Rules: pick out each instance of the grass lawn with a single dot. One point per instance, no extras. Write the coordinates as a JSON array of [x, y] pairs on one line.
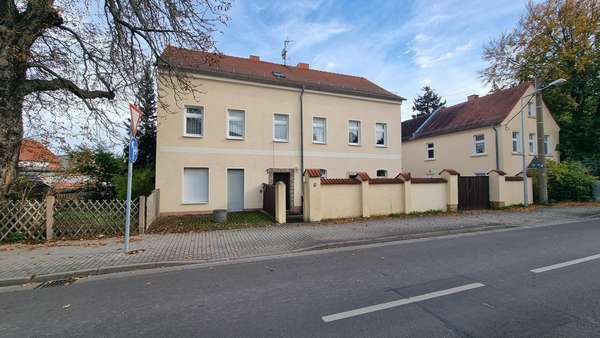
[[237, 220]]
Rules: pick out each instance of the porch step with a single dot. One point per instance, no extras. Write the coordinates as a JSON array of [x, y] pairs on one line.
[[294, 218]]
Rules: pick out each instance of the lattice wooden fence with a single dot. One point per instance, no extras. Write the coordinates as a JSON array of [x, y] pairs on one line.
[[23, 219], [90, 218]]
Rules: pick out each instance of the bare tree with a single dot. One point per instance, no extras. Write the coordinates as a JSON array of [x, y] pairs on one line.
[[82, 56]]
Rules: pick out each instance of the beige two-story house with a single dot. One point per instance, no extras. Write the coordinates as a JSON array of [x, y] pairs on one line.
[[256, 122], [478, 135]]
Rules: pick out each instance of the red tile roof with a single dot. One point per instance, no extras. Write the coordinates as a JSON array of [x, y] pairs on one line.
[[485, 111], [410, 126], [254, 70], [313, 172], [339, 181], [35, 151]]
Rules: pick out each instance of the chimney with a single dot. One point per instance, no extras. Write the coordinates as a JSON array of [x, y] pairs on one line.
[[254, 58], [303, 65], [472, 98]]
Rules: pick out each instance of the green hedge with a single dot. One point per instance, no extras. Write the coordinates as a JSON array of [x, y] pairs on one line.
[[569, 181]]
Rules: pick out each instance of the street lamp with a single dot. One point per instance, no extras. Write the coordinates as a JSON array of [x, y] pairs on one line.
[[523, 155]]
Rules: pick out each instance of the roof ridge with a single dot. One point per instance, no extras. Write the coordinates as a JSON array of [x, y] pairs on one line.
[[270, 62], [492, 94]]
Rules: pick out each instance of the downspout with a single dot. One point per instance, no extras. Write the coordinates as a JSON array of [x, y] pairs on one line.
[[302, 144], [495, 128]]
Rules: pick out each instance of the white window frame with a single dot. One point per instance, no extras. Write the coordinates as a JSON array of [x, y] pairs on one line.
[[359, 133], [476, 142], [202, 118], [532, 143], [228, 111], [427, 148], [288, 128], [531, 109], [183, 201], [518, 140], [324, 131], [385, 135], [384, 170], [546, 145]]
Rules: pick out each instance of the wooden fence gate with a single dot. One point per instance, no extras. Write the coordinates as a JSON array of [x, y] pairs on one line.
[[269, 199], [473, 192]]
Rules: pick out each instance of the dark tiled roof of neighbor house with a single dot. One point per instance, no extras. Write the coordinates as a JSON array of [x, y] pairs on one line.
[[253, 70], [485, 111], [409, 127]]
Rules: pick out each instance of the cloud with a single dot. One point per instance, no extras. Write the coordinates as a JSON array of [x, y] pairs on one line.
[[400, 45]]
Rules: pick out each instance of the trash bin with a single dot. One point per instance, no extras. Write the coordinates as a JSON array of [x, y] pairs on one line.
[[596, 190], [220, 216]]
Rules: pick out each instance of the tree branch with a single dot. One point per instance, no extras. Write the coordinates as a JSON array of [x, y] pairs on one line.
[[37, 85]]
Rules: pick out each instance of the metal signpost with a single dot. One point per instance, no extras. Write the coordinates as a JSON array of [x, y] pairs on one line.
[[135, 119]]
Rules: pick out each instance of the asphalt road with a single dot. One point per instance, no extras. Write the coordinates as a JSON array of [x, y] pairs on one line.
[[478, 285]]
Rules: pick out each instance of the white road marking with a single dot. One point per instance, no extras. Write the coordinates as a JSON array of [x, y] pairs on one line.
[[565, 264], [389, 305]]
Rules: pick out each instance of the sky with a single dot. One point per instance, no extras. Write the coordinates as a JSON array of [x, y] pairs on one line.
[[400, 45]]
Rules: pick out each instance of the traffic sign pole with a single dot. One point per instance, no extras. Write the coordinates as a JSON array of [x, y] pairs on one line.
[[135, 118], [128, 209]]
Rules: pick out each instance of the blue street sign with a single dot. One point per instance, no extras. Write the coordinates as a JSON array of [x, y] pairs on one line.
[[133, 150], [536, 164]]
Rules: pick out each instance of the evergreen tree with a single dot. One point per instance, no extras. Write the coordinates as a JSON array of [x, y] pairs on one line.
[[427, 103]]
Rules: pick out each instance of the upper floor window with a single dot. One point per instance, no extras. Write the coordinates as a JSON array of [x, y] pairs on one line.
[[546, 145], [381, 173], [532, 143], [531, 109], [236, 121], [281, 124], [323, 173], [479, 144], [194, 121], [380, 134], [319, 130], [430, 151], [354, 132], [516, 142]]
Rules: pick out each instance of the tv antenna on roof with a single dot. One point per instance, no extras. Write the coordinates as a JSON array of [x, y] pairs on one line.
[[284, 51]]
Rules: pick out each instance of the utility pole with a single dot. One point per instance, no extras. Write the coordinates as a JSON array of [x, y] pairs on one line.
[[542, 178]]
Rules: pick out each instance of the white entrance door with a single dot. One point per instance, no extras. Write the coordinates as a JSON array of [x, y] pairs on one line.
[[235, 189]]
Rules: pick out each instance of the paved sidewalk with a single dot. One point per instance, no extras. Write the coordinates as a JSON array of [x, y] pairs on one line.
[[106, 255]]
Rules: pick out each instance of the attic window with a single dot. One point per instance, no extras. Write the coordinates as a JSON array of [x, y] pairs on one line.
[[278, 75]]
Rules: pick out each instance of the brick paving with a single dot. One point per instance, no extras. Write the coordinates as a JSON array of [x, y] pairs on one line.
[[23, 261]]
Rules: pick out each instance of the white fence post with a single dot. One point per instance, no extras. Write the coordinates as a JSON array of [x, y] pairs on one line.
[[49, 217]]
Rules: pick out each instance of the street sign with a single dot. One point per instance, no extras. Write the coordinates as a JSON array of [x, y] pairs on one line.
[[133, 150], [135, 114], [535, 164]]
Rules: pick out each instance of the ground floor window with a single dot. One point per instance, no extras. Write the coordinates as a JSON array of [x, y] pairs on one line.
[[381, 173], [195, 185]]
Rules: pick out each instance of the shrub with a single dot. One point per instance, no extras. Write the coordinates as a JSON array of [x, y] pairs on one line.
[[141, 184], [569, 181]]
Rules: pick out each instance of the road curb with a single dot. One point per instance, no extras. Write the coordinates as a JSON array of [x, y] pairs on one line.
[[331, 245]]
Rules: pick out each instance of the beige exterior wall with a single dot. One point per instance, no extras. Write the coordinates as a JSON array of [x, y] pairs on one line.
[[455, 150], [386, 199], [428, 196], [452, 151], [341, 201], [257, 152], [513, 192]]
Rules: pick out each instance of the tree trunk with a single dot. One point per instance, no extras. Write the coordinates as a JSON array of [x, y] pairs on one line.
[[11, 122]]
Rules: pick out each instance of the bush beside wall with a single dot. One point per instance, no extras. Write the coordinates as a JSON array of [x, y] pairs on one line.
[[569, 181]]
